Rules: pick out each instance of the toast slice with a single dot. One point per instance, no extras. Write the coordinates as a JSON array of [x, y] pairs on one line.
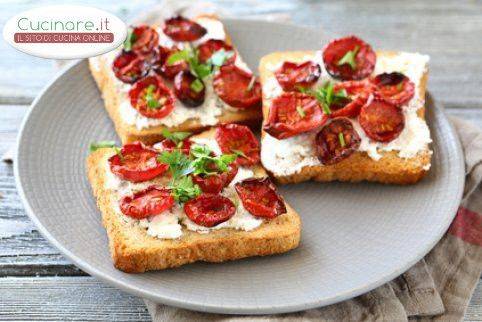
[[132, 126], [294, 160], [134, 251]]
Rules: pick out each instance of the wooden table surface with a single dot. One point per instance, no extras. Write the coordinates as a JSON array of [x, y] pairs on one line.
[[37, 283]]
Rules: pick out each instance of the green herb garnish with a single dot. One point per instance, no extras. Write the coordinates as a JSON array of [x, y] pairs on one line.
[[239, 153], [94, 146], [184, 189], [203, 159], [176, 137], [197, 86], [349, 58], [400, 86], [341, 138], [220, 57], [151, 101], [130, 40], [300, 111], [326, 95]]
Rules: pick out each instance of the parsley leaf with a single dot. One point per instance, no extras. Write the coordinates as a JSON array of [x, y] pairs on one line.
[[176, 137], [349, 58], [203, 160], [341, 138], [130, 40], [197, 85], [191, 56], [94, 146], [220, 57], [184, 189], [179, 163], [300, 111], [326, 95], [151, 101]]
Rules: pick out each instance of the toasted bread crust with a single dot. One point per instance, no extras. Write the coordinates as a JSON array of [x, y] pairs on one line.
[[133, 251], [390, 169], [129, 133]]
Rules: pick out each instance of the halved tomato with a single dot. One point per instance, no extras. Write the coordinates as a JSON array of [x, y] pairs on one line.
[[183, 29], [136, 162], [151, 97], [349, 58], [238, 139], [209, 210], [292, 76], [293, 113], [395, 87], [237, 88], [215, 182], [129, 67], [149, 202], [144, 39], [336, 141], [382, 121], [211, 46], [260, 197]]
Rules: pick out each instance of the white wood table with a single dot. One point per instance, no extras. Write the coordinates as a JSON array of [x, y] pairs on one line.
[[37, 283]]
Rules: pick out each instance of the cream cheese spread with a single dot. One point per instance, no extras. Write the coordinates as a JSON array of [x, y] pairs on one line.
[[289, 156], [206, 114]]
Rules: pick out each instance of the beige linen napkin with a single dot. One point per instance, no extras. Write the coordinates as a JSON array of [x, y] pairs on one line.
[[437, 287]]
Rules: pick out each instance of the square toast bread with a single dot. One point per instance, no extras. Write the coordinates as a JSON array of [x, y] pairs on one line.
[[129, 133], [134, 251], [390, 169]]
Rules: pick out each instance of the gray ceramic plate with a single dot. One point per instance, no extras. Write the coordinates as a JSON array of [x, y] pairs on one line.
[[355, 236]]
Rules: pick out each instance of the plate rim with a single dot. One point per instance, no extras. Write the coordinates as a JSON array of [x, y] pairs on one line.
[[203, 307]]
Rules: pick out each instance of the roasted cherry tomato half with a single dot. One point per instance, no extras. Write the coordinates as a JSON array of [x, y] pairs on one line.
[[209, 210], [214, 183], [291, 76], [336, 141], [136, 163], [395, 87], [128, 67], [151, 97], [149, 202], [183, 29], [382, 121], [144, 39], [260, 197], [349, 58], [357, 93], [238, 139], [237, 88], [189, 89], [293, 113], [170, 71], [211, 46], [167, 145]]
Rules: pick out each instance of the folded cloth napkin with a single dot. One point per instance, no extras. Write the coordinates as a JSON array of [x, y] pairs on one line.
[[438, 287]]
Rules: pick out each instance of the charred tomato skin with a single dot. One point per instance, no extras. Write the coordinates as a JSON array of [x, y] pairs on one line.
[[184, 91], [136, 163], [291, 76], [365, 58], [209, 210], [330, 147], [148, 202], [260, 197]]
